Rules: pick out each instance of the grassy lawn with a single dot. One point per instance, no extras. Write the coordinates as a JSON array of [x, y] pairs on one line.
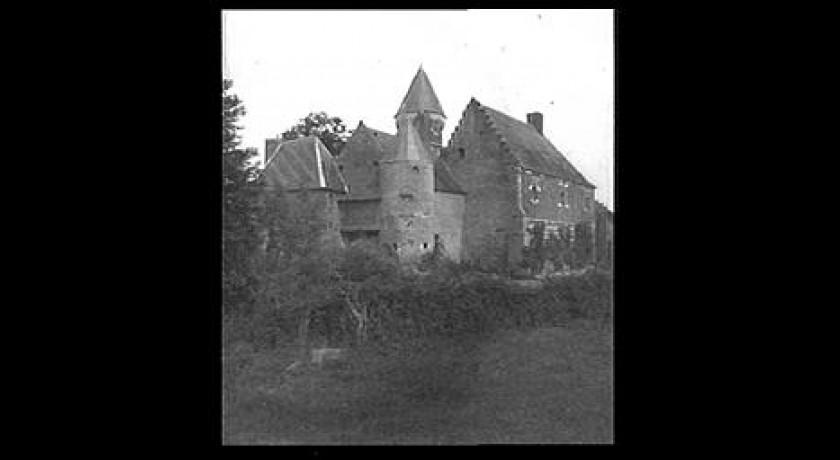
[[542, 386]]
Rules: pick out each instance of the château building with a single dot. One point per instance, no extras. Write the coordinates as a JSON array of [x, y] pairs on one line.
[[479, 197]]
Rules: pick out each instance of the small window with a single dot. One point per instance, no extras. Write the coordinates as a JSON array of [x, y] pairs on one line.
[[416, 169], [535, 191], [341, 167], [462, 153], [425, 245], [375, 163]]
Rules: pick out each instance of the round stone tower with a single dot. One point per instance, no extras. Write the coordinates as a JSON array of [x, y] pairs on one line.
[[407, 177]]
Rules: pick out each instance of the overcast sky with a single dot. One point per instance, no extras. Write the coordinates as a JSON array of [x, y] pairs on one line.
[[358, 65]]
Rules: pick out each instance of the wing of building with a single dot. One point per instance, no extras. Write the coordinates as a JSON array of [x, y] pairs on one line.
[[304, 170]]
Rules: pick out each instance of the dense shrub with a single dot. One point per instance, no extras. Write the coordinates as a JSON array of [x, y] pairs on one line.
[[262, 328], [466, 303], [448, 300], [363, 260]]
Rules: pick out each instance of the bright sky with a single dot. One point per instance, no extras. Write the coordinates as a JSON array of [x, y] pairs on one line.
[[358, 65]]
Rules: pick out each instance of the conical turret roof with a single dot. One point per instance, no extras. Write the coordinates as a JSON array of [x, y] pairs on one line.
[[410, 145], [420, 97]]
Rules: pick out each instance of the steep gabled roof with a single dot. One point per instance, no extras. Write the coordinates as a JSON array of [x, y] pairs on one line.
[[383, 142], [387, 142], [420, 96], [304, 163], [533, 151], [388, 145], [444, 180]]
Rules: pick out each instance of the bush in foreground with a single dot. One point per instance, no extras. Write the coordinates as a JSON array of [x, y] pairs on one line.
[[370, 297]]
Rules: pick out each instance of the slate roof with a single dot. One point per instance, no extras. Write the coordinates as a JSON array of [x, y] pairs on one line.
[[444, 180], [294, 165], [532, 149], [387, 142], [420, 96], [388, 145]]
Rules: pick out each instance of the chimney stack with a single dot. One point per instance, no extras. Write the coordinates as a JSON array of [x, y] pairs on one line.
[[535, 119]]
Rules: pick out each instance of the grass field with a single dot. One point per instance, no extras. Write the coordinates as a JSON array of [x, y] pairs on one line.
[[541, 386]]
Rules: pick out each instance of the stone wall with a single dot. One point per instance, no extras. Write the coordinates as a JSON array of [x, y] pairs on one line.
[[553, 199], [555, 202], [449, 216], [491, 219], [320, 203], [407, 206], [359, 214]]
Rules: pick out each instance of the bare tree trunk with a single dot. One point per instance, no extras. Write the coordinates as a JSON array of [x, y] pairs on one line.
[[359, 311]]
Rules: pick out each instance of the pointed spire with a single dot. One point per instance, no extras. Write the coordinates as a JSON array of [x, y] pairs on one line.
[[420, 96]]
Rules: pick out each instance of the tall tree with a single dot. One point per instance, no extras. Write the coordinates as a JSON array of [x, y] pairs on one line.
[[238, 190], [330, 130]]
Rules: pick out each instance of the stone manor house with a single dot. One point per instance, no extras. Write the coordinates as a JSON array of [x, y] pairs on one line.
[[477, 197]]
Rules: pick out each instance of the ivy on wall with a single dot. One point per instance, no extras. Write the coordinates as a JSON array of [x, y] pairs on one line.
[[552, 249]]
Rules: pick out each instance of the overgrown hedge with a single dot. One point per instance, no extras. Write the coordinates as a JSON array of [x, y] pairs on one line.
[[447, 299], [463, 303]]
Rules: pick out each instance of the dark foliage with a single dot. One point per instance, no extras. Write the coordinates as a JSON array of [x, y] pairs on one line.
[[239, 225], [546, 253], [452, 300], [330, 130]]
